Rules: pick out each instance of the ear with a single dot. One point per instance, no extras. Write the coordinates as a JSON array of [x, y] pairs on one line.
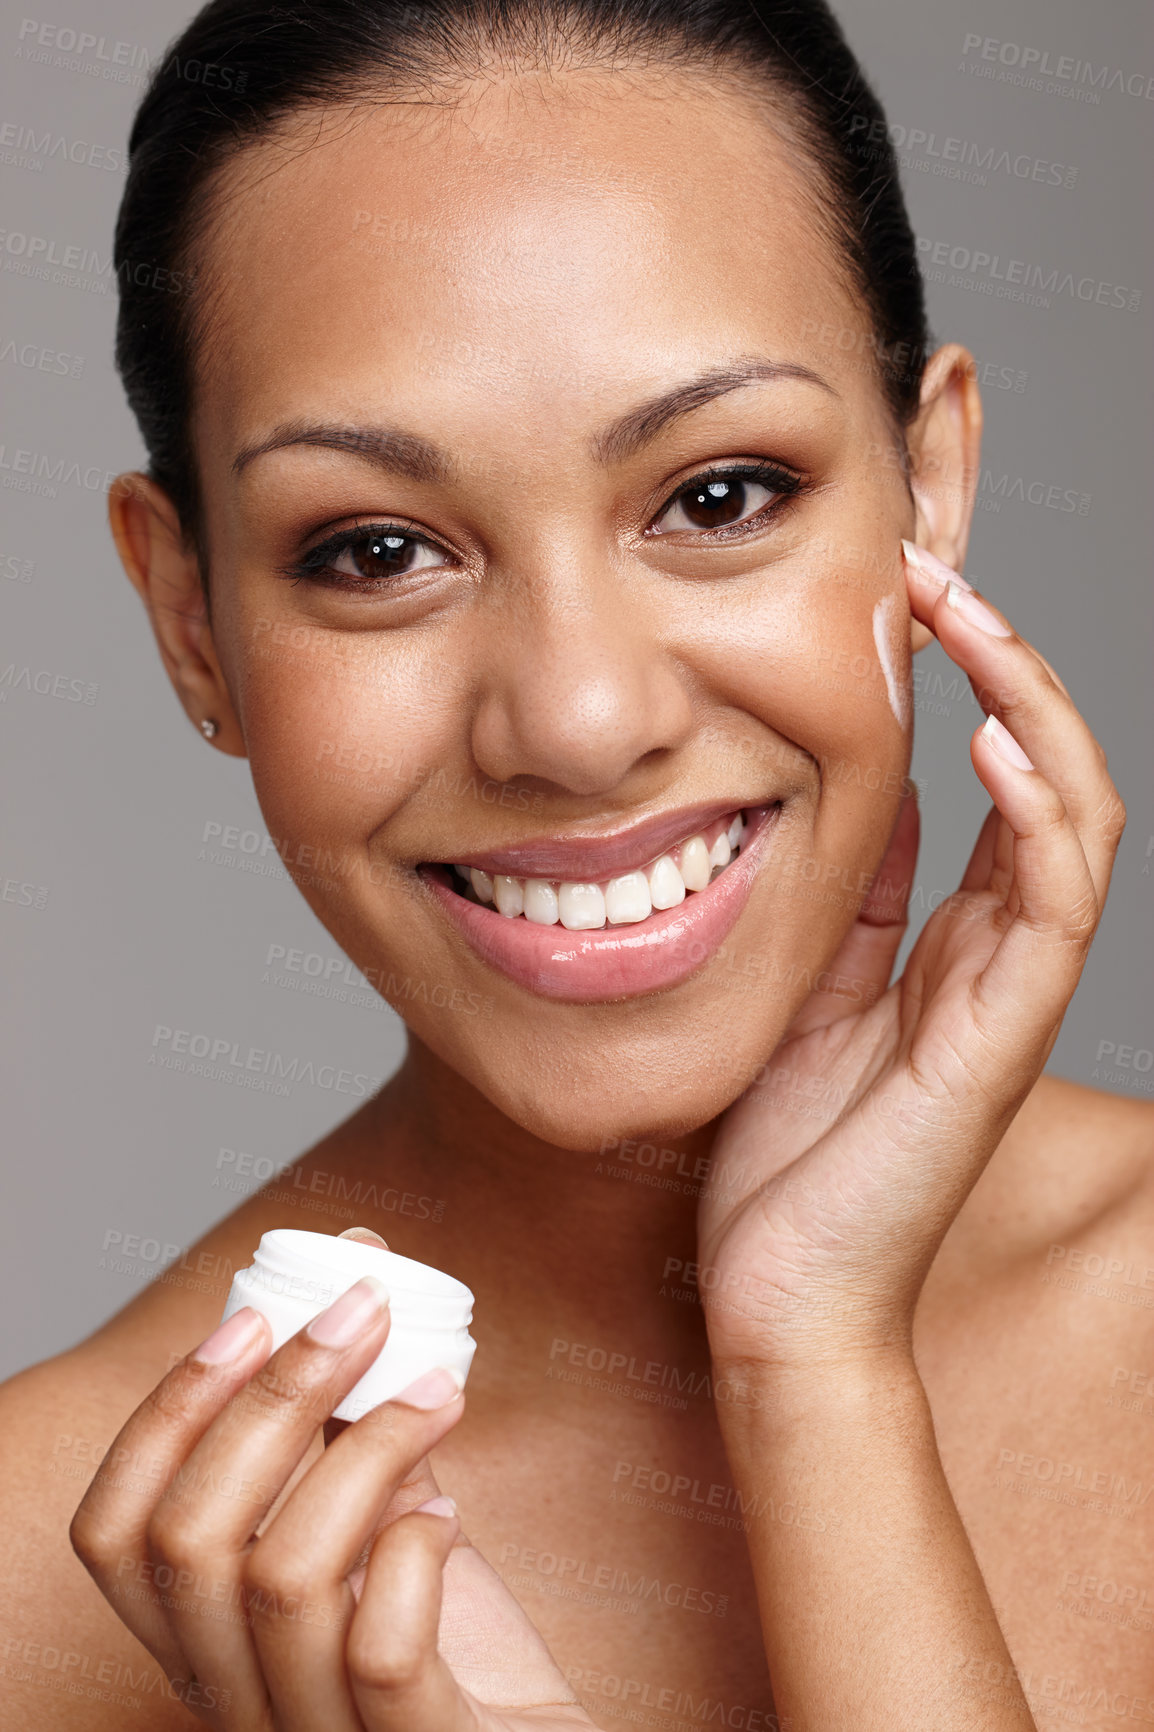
[[165, 572], [945, 443]]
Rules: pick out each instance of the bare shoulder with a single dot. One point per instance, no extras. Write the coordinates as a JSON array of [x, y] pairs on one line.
[[1035, 1338], [1075, 1172], [1066, 1204], [66, 1660]]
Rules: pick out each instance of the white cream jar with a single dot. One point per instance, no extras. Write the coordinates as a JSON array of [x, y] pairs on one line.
[[294, 1275]]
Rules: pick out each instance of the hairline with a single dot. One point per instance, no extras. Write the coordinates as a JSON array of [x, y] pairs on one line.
[[778, 104]]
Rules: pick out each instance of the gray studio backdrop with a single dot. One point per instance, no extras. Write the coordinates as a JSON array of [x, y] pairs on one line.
[[137, 890]]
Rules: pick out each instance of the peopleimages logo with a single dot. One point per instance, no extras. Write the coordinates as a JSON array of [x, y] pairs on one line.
[[954, 154], [47, 685], [1021, 280], [226, 1060], [42, 146], [31, 471], [1063, 69]]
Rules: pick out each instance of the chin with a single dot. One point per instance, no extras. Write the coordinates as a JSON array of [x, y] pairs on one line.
[[594, 1123], [581, 1094]]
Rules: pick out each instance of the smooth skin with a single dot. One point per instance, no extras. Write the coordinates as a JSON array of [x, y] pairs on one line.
[[873, 1271]]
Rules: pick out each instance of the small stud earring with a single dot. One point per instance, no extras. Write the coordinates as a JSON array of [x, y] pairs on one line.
[[209, 728]]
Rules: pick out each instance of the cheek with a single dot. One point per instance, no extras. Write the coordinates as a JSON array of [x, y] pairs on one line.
[[819, 673], [820, 661], [339, 733]]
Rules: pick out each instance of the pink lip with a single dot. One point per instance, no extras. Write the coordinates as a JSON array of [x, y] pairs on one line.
[[591, 859], [615, 961]]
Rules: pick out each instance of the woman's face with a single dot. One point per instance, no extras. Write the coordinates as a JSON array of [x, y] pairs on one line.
[[495, 345]]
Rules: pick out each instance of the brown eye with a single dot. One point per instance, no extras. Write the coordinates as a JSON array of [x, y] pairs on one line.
[[376, 556], [714, 503]]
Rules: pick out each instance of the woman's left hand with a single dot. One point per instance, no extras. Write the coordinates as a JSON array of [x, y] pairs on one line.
[[835, 1177], [359, 1606]]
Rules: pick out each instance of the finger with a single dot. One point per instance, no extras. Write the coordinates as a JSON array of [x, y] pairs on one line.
[[400, 1681], [931, 574], [363, 1236], [1013, 682], [860, 972], [434, 1622], [1027, 982], [109, 1530], [202, 1527], [417, 1487], [414, 1490], [492, 1647], [296, 1577]]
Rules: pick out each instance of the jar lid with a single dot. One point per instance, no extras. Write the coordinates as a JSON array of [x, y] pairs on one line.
[[314, 1264]]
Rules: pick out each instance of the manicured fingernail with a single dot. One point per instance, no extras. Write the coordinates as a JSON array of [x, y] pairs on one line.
[[976, 611], [435, 1389], [364, 1236], [350, 1315], [930, 567], [230, 1340], [1005, 744], [442, 1506]]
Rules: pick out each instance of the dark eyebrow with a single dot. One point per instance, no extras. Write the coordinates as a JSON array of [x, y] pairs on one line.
[[387, 447], [644, 423], [421, 460]]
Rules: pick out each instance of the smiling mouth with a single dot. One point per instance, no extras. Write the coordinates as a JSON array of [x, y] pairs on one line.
[[626, 899]]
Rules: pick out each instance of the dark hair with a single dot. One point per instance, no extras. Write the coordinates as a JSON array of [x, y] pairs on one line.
[[242, 66]]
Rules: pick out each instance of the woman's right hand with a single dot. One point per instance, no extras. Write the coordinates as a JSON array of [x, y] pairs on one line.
[[360, 1606]]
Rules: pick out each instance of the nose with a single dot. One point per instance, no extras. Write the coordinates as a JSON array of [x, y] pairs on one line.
[[578, 688]]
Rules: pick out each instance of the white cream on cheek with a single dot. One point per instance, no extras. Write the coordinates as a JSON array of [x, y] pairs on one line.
[[885, 621]]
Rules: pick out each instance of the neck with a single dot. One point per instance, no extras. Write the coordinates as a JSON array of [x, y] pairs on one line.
[[583, 1238]]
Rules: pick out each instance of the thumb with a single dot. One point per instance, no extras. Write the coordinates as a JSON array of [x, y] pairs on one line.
[[493, 1648], [364, 1236], [419, 1489], [490, 1645]]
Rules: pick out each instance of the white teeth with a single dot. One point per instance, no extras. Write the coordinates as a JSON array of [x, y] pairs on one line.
[[695, 868], [508, 894], [621, 901], [666, 885], [582, 906], [541, 902], [627, 899]]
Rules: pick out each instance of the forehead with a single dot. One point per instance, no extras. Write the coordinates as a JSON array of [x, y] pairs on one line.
[[531, 248]]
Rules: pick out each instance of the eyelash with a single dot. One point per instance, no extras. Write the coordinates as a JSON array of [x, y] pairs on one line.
[[784, 483]]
